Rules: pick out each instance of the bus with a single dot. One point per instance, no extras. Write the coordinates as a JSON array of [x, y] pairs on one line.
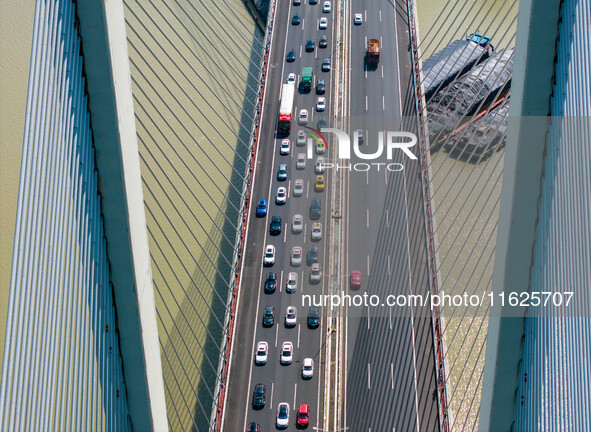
[[286, 107]]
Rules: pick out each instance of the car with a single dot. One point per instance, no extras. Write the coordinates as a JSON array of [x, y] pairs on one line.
[[303, 117], [310, 44], [319, 185], [313, 1], [298, 188], [258, 396], [284, 149], [275, 228], [303, 417], [291, 78], [312, 255], [297, 2], [286, 353], [316, 232], [323, 42], [296, 19], [326, 7], [282, 172], [320, 87], [307, 368], [269, 316], [319, 166], [301, 139], [253, 427], [320, 147], [356, 279], [359, 133], [358, 19], [296, 256], [315, 273], [323, 23], [315, 208], [281, 196], [297, 223], [321, 122], [282, 420], [313, 317], [292, 282], [290, 57], [261, 354], [291, 316], [321, 103], [271, 282], [301, 161], [326, 65], [262, 208], [269, 258]]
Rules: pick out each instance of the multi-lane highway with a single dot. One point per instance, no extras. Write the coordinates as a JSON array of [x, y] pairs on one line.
[[386, 375]]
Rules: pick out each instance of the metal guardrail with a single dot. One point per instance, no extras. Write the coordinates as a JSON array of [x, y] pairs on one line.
[[220, 398], [427, 208]]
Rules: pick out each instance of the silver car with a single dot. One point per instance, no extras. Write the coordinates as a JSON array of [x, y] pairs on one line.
[[297, 223], [296, 256], [298, 188], [292, 282], [315, 274], [319, 167], [316, 231], [301, 139], [301, 161]]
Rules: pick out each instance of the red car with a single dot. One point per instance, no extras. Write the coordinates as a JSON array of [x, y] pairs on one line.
[[303, 415], [355, 279]]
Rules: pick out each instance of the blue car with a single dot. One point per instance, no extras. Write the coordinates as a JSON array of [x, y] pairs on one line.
[[262, 208]]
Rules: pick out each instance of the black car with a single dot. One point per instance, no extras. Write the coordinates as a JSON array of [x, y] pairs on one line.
[[321, 122], [312, 1], [275, 225], [271, 282], [315, 209], [320, 87], [290, 56], [258, 397], [310, 45], [312, 256], [323, 42], [269, 316], [313, 317], [326, 65], [296, 19], [253, 427]]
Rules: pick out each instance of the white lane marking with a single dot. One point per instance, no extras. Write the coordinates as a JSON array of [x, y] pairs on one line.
[[366, 43], [383, 102], [301, 51], [365, 18], [365, 103], [276, 335], [386, 176], [366, 177], [368, 319], [298, 336], [288, 188], [285, 234], [280, 280], [302, 284], [380, 16], [305, 229], [390, 317], [307, 189], [303, 24], [271, 402], [389, 271], [392, 374], [368, 376], [365, 71], [382, 71], [368, 265], [367, 217], [295, 391], [387, 218]]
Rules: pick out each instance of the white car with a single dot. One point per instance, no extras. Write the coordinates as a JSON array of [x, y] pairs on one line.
[[301, 161], [326, 7], [319, 167], [301, 139], [269, 258], [281, 196], [298, 188], [358, 19], [315, 273], [286, 353], [321, 103], [320, 147], [260, 356], [297, 223], [308, 368], [284, 149], [296, 256], [291, 78], [282, 420], [316, 231], [292, 282], [323, 23], [303, 116], [291, 315]]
